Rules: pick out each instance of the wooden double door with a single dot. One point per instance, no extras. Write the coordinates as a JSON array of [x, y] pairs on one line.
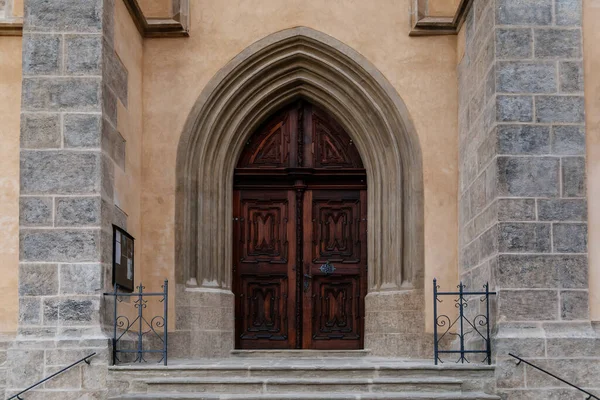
[[300, 226]]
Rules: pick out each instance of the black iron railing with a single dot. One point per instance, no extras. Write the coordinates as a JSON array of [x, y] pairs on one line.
[[84, 359], [468, 333], [520, 360], [140, 336]]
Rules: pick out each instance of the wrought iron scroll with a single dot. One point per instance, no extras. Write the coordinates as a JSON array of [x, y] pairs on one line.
[[143, 335], [469, 332]]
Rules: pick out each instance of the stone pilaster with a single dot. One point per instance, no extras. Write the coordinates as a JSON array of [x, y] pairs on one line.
[[68, 155], [523, 211]]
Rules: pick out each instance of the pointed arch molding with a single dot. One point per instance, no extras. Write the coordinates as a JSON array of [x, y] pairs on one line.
[[267, 75]]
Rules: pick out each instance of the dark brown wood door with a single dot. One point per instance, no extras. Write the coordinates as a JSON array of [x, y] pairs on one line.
[[300, 235]]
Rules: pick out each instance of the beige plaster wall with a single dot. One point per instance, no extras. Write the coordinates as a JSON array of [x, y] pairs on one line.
[[18, 8], [10, 102], [591, 59], [423, 70], [156, 8], [442, 8], [128, 45]]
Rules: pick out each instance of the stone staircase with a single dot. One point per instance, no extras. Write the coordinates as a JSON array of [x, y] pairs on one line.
[[300, 378]]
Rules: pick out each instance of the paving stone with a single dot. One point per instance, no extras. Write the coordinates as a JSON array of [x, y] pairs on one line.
[[77, 211], [514, 108], [574, 305], [59, 172], [50, 310], [568, 12], [80, 278], [573, 177], [524, 347], [507, 376], [571, 76], [519, 12], [535, 394], [562, 210], [70, 379], [569, 237], [559, 109], [41, 54], [30, 311], [527, 305], [83, 54], [79, 311], [568, 140], [61, 94], [60, 245], [574, 347], [24, 366], [557, 43], [523, 139], [40, 131], [114, 73], [38, 279], [528, 176], [488, 243], [487, 149], [63, 16], [109, 105], [517, 271], [572, 271], [35, 211], [514, 43], [82, 130], [525, 237], [486, 219], [114, 144], [516, 210], [525, 77]]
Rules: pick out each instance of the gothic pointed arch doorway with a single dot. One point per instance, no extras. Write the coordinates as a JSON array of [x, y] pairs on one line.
[[300, 234]]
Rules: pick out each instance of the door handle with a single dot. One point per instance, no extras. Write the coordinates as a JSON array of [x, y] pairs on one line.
[[307, 278]]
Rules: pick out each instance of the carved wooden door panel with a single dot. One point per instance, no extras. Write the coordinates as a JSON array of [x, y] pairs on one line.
[[265, 253], [335, 269], [299, 245]]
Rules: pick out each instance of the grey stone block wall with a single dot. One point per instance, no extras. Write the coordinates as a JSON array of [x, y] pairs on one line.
[[523, 209], [71, 83]]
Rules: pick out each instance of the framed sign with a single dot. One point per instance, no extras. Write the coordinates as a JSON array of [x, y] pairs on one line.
[[123, 259]]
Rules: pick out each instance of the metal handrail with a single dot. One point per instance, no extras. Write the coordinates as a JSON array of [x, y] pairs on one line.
[[590, 396], [84, 359]]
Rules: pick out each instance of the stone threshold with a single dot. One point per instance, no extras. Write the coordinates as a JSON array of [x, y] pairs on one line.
[[301, 353]]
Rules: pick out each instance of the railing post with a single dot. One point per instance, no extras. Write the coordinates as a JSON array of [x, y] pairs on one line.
[[435, 332], [114, 338], [166, 327], [141, 325], [461, 317], [487, 312]]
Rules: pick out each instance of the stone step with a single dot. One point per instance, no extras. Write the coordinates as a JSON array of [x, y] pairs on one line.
[[294, 368], [297, 385], [311, 396]]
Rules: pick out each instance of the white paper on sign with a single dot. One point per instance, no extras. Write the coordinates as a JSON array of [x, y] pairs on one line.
[[129, 269], [118, 253]]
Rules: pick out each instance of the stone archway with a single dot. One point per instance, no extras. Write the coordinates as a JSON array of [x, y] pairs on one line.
[[275, 71]]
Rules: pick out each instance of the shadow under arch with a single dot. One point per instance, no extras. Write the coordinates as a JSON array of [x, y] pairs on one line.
[[269, 74]]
